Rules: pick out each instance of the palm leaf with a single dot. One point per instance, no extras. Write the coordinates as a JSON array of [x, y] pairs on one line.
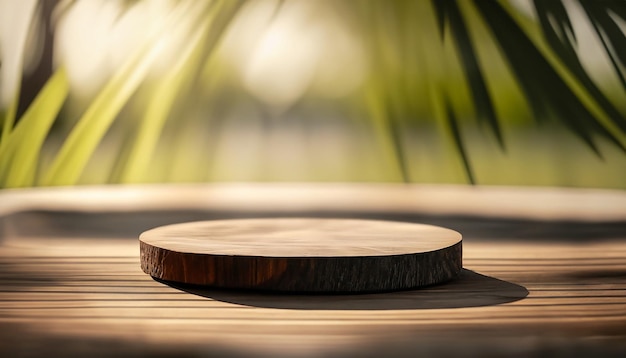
[[455, 133], [547, 69], [68, 165], [449, 12], [542, 84], [385, 129], [560, 35], [611, 36], [381, 100], [7, 119], [19, 153], [175, 84]]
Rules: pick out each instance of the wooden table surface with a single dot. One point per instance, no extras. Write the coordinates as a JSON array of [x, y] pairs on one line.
[[71, 284]]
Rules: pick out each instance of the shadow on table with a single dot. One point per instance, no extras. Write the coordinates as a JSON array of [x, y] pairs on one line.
[[470, 289]]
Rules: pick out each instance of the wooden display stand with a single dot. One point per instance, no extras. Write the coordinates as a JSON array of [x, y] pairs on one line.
[[302, 255]]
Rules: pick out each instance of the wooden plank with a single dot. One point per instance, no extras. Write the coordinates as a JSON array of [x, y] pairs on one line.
[[87, 301], [72, 295]]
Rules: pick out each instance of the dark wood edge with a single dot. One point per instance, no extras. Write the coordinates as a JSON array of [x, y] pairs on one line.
[[304, 274]]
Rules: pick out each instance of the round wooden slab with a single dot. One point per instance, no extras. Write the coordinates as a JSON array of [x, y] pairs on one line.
[[302, 255]]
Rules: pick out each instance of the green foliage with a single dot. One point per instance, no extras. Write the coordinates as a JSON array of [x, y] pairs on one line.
[[428, 62], [174, 84], [19, 152], [544, 86], [541, 56], [94, 123]]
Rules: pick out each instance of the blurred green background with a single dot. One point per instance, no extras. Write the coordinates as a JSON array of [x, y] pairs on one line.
[[487, 92]]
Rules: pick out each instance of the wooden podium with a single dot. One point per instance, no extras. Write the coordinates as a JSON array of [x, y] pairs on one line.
[[302, 254]]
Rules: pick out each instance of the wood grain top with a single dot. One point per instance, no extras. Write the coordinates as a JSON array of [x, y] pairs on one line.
[[301, 237]]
